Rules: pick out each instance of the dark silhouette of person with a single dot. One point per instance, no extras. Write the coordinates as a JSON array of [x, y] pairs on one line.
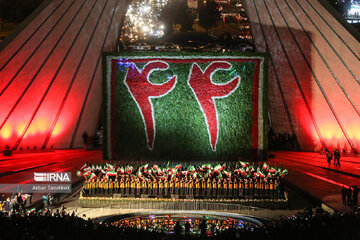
[[329, 156], [19, 201], [187, 228], [45, 201], [203, 227], [355, 195], [336, 157], [308, 211], [348, 196], [281, 188], [319, 211], [85, 137], [343, 195], [177, 228]]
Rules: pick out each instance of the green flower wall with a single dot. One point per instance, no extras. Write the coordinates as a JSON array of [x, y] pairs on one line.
[[181, 131]]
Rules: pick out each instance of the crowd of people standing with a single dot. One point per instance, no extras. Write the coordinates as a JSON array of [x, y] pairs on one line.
[[350, 195], [61, 225], [184, 188], [16, 203], [329, 157], [207, 181]]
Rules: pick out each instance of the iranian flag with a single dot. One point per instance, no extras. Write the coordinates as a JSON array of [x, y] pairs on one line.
[[79, 173], [83, 166], [32, 210], [129, 169], [205, 167], [208, 174], [218, 168], [261, 174], [174, 173], [244, 164], [226, 173], [121, 170], [265, 166], [111, 174], [191, 168], [272, 170], [170, 170], [284, 172], [160, 171], [87, 174], [252, 168], [109, 167], [139, 175], [157, 170], [91, 177], [102, 168], [242, 171], [156, 167]]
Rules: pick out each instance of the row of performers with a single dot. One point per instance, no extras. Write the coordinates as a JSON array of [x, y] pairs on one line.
[[184, 188]]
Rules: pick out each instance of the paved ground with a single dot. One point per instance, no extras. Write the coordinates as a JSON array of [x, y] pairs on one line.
[[310, 173], [20, 168]]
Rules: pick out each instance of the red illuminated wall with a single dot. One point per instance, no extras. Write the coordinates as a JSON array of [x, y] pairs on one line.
[[314, 80], [50, 73]]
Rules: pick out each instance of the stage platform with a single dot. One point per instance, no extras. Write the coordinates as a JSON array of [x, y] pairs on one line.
[[309, 173]]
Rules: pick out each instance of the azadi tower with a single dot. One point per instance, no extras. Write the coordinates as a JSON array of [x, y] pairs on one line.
[[50, 72]]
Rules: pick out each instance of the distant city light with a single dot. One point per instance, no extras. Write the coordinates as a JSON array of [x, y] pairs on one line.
[[145, 29], [145, 9], [355, 10], [142, 20]]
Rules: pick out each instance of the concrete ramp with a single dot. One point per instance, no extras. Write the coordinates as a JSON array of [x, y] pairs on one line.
[[50, 72], [314, 80]]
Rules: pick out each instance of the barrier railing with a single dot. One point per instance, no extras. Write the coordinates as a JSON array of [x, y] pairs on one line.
[[257, 208]]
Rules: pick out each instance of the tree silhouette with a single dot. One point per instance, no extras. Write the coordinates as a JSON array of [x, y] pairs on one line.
[[176, 12], [209, 15], [16, 11], [342, 6]]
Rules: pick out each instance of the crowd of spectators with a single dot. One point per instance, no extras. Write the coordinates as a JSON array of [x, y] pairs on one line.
[[350, 195], [60, 225], [305, 225]]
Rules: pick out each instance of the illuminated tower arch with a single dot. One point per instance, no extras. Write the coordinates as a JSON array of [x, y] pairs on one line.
[[314, 79], [50, 72]]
